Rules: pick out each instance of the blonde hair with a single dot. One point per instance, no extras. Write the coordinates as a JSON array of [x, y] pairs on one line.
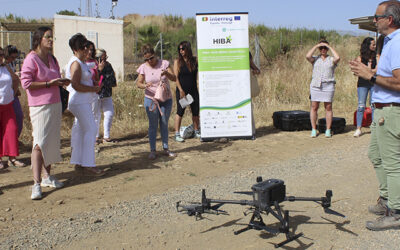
[[100, 52]]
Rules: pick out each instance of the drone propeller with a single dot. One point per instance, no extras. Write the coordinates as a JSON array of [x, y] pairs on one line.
[[244, 192]]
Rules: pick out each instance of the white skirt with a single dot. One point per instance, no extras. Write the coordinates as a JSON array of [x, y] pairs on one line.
[[46, 127], [324, 93]]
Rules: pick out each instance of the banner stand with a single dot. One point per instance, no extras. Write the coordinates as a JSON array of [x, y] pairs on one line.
[[224, 76]]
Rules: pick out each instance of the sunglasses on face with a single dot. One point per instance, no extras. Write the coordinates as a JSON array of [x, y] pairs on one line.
[[323, 47], [376, 17], [148, 59], [181, 49], [48, 37]]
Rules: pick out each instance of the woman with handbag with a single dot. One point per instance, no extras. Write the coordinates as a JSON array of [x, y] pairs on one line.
[[40, 77], [154, 75]]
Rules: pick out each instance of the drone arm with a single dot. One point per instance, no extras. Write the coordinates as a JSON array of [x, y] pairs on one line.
[[239, 202]]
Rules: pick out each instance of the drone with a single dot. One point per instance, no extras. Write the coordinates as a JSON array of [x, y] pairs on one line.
[[267, 195]]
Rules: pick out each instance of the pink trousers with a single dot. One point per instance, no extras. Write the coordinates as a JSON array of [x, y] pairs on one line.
[[8, 131]]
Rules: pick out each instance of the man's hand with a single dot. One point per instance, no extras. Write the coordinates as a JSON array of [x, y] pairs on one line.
[[361, 70]]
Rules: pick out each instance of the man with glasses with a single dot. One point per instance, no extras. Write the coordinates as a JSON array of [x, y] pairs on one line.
[[384, 148]]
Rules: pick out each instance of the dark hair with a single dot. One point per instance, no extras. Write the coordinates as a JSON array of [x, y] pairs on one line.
[[192, 64], [9, 50], [38, 35], [379, 44], [93, 54], [365, 52], [392, 8], [77, 42], [147, 49], [323, 40]]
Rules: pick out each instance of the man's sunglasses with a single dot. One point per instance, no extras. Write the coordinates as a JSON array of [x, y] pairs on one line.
[[376, 17], [323, 47]]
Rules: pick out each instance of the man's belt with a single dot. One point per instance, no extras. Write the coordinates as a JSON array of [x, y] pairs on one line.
[[378, 105]]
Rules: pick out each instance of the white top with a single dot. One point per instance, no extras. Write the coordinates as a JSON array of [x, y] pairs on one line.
[[323, 71], [76, 97], [6, 90]]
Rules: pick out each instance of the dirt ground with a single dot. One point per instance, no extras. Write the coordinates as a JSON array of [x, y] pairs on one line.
[[131, 176]]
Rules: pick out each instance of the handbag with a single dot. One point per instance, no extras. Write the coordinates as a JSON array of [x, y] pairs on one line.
[[163, 93], [255, 89]]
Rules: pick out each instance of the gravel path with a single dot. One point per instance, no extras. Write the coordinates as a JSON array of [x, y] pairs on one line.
[[308, 175]]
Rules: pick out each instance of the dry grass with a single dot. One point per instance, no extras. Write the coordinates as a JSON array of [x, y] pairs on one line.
[[284, 86]]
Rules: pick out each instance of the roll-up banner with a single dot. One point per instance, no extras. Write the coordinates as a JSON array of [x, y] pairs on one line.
[[224, 75]]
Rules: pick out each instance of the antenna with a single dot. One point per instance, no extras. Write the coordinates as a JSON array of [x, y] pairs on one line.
[[97, 9], [88, 8], [113, 4], [80, 7]]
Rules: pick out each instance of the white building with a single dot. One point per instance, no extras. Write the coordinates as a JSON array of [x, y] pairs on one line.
[[104, 33]]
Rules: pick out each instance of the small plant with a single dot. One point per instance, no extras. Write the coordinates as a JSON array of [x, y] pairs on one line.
[[191, 174]]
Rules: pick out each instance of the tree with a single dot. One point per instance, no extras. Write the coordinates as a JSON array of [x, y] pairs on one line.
[[67, 13]]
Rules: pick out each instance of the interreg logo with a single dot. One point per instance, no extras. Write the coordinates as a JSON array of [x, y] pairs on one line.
[[237, 18], [227, 40], [221, 19], [204, 19]]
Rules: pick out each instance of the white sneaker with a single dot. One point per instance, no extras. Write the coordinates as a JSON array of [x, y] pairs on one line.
[[51, 182], [36, 192], [358, 133]]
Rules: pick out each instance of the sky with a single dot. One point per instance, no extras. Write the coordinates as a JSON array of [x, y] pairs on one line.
[[312, 14]]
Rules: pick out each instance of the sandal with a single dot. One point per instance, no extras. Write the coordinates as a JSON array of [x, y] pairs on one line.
[[16, 163], [3, 165], [168, 153], [93, 171], [152, 155], [108, 140]]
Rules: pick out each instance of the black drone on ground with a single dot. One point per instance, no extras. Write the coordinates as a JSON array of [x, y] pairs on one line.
[[266, 198]]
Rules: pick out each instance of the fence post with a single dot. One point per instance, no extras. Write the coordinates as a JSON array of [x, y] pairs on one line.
[[280, 42], [161, 46], [257, 51]]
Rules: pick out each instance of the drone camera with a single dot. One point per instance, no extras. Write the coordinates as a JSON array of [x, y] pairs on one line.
[[269, 191]]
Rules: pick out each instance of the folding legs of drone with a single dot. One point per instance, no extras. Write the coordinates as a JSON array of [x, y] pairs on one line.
[[253, 224], [289, 238]]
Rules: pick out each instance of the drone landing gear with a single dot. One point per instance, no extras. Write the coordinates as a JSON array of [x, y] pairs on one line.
[[256, 222]]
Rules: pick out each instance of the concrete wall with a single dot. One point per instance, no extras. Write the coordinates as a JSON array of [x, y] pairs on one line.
[[104, 33]]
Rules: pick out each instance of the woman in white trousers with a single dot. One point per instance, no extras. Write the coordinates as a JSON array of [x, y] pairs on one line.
[[82, 93]]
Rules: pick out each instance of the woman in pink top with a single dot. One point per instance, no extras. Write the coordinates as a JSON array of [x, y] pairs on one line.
[[151, 73], [40, 77]]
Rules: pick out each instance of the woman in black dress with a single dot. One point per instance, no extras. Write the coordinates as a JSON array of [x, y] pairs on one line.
[[185, 68]]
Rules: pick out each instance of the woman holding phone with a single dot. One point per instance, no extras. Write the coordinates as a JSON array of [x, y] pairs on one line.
[[40, 77], [107, 76]]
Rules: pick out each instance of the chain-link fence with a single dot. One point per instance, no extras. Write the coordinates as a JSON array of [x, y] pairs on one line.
[[22, 40]]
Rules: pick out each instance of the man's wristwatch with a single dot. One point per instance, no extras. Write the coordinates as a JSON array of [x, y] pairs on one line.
[[373, 79]]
